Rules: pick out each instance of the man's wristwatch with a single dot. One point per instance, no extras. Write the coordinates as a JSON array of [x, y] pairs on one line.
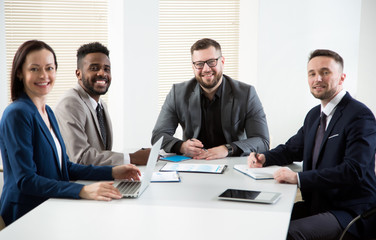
[[229, 149]]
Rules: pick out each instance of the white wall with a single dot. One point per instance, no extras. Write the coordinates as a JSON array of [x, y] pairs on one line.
[[248, 41], [367, 55], [288, 31], [276, 38], [133, 95]]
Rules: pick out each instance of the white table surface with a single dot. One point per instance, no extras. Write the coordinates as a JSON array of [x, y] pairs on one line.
[[180, 210]]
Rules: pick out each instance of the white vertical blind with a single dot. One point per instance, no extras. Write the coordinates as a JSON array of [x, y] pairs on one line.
[[64, 25], [181, 24]]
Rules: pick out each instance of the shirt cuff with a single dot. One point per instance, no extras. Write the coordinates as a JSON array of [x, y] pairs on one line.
[[297, 174], [127, 158]]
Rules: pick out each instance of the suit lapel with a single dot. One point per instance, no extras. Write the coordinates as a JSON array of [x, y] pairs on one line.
[[85, 97], [48, 135], [55, 128], [226, 109], [337, 115], [194, 111]]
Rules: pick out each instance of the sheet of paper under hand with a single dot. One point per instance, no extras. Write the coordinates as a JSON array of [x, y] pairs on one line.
[[257, 173]]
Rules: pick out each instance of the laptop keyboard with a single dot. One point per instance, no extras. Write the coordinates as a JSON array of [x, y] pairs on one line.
[[128, 187]]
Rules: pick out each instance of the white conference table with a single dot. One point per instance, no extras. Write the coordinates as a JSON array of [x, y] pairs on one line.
[[178, 210]]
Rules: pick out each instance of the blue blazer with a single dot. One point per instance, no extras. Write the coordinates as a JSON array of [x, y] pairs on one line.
[[32, 172], [343, 181]]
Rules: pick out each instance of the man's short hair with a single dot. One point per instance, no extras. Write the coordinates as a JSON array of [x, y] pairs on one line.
[[327, 53], [204, 44], [94, 47]]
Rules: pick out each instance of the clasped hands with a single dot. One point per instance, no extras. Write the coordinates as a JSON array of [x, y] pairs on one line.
[[105, 191], [195, 149], [282, 175]]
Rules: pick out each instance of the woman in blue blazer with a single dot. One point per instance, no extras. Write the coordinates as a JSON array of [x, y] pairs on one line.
[[36, 166]]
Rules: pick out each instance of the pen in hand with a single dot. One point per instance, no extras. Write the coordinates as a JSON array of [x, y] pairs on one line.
[[201, 148], [256, 153]]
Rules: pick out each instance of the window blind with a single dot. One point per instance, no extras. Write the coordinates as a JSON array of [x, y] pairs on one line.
[[64, 25], [181, 24]]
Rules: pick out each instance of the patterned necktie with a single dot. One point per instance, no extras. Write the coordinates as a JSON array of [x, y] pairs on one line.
[[102, 125], [319, 136]]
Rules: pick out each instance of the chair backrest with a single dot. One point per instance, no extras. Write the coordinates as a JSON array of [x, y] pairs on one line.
[[2, 224]]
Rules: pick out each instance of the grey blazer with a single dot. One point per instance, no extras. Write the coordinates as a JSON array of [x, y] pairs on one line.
[[80, 130], [243, 117]]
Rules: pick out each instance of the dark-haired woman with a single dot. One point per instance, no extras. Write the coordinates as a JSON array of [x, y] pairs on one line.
[[36, 166]]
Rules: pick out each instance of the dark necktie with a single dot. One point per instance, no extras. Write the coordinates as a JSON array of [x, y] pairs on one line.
[[102, 125], [319, 136]]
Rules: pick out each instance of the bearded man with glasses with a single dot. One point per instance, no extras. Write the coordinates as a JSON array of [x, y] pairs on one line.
[[220, 116]]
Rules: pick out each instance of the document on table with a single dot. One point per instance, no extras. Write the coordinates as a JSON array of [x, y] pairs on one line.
[[194, 167], [165, 177], [172, 157], [257, 173]]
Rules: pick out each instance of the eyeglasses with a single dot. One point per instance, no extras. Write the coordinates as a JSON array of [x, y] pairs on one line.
[[211, 63]]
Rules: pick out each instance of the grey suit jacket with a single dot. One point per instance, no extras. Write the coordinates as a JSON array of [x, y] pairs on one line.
[[243, 117], [80, 130]]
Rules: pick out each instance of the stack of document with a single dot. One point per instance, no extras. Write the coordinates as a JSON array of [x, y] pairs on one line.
[[257, 173], [165, 177], [194, 167]]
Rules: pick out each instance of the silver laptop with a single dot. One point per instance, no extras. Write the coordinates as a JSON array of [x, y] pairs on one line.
[[134, 189]]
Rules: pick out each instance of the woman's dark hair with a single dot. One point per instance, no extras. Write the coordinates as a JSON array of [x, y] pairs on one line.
[[16, 84]]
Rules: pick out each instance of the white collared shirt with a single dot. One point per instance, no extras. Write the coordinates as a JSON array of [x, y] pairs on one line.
[[94, 103], [330, 108], [58, 148]]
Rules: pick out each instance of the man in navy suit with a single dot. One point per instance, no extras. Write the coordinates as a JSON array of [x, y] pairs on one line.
[[337, 145]]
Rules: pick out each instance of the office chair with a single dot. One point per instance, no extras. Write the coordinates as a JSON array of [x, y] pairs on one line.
[[364, 215], [2, 224]]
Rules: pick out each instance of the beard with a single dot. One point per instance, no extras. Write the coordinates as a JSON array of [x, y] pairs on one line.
[[211, 84], [89, 85], [324, 95]]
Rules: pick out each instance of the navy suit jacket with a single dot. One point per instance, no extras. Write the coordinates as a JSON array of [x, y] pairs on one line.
[[343, 181], [32, 172]]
